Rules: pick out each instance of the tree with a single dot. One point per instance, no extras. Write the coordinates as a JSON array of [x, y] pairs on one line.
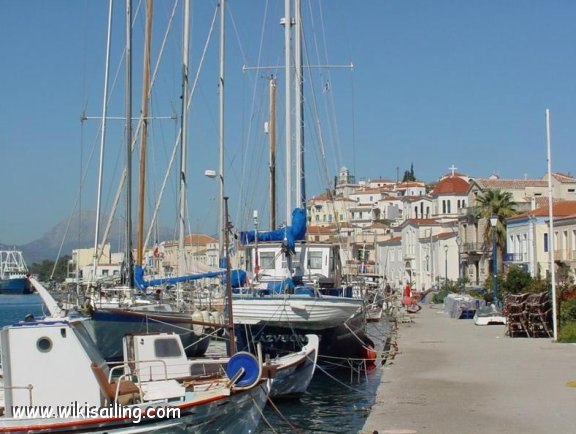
[[499, 204], [409, 174], [46, 269]]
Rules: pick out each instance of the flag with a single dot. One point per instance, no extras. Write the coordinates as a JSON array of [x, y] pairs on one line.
[[156, 251]]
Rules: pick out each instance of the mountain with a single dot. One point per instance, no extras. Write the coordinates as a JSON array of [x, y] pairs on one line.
[[75, 233]]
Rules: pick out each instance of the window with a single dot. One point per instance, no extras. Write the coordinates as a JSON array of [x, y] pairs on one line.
[[341, 217], [267, 259], [295, 260], [545, 242], [315, 260], [443, 207], [330, 218], [317, 217], [166, 347]]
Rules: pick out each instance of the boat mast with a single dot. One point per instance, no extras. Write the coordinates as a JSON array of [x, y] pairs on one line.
[[183, 143], [221, 225], [102, 141], [144, 131], [272, 160], [227, 228], [287, 21], [128, 99], [299, 106]]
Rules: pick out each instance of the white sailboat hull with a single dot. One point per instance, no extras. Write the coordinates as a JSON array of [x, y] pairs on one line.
[[302, 311]]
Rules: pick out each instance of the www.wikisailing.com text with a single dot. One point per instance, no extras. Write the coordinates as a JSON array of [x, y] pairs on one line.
[[85, 411]]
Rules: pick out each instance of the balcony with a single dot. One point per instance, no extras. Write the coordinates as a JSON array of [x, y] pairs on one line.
[[565, 255], [516, 257], [473, 248]]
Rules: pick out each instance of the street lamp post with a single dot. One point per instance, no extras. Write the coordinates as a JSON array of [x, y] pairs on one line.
[[458, 244], [494, 223], [446, 266]]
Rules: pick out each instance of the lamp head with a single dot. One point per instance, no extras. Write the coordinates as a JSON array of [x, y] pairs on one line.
[[493, 221]]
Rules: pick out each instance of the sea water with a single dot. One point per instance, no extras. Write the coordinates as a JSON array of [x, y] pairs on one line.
[[336, 401], [14, 308]]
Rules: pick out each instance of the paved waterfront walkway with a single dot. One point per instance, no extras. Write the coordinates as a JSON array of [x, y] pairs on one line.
[[451, 376]]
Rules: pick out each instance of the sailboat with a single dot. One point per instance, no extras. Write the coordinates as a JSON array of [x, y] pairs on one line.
[[110, 322], [292, 293]]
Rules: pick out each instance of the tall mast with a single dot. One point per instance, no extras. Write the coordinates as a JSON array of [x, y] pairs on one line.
[[272, 160], [144, 131], [288, 108], [221, 225], [128, 100], [299, 107], [183, 143], [102, 141]]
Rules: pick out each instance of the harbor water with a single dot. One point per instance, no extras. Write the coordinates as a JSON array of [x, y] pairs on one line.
[[337, 401]]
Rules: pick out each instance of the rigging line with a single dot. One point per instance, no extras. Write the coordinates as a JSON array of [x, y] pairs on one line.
[[324, 57], [294, 428], [248, 133], [325, 372], [78, 202], [116, 198], [177, 144]]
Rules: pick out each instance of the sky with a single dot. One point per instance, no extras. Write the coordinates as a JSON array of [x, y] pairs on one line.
[[433, 84]]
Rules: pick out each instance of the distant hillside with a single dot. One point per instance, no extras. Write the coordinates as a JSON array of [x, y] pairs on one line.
[[78, 233]]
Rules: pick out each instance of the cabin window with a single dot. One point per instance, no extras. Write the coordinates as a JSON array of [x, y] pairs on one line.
[[295, 260], [44, 344], [315, 260], [167, 348], [267, 260]]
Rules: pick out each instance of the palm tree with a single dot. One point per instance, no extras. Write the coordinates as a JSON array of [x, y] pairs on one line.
[[496, 203]]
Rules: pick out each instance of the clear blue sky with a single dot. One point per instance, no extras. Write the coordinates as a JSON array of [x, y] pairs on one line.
[[434, 83]]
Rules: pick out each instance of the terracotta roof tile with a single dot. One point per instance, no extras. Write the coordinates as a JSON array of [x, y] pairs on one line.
[[563, 177], [451, 185], [559, 209], [510, 184]]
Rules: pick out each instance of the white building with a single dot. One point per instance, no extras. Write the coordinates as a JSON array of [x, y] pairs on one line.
[[528, 242]]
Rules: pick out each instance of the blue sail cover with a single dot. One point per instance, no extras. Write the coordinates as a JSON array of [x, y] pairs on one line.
[[238, 278], [289, 234]]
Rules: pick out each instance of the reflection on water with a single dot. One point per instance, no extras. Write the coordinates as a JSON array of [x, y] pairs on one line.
[[336, 401]]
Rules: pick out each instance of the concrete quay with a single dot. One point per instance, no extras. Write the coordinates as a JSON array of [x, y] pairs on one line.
[[451, 376]]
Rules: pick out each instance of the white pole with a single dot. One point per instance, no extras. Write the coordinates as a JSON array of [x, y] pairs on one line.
[[551, 229], [183, 150], [102, 142], [288, 108], [221, 225]]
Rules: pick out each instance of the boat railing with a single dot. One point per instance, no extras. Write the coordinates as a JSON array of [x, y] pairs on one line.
[[29, 387]]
